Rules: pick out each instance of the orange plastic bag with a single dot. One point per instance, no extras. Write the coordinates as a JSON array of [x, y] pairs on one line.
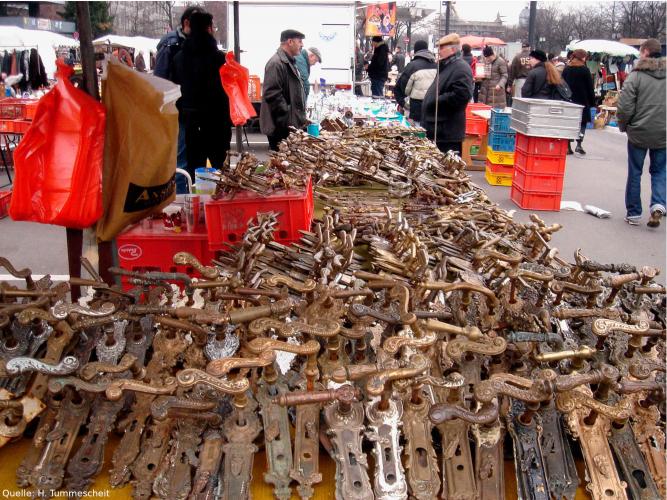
[[235, 82], [59, 161]]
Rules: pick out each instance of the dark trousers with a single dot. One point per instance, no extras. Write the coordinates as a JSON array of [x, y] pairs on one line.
[[450, 146], [377, 87], [206, 138], [278, 135]]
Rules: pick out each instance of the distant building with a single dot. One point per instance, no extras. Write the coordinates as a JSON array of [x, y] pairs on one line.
[[476, 28], [36, 16]]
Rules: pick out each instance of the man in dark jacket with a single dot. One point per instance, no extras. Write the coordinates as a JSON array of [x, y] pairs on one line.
[[415, 81], [518, 71], [203, 104], [378, 69], [283, 103], [167, 49], [536, 85], [399, 59], [641, 114], [450, 91]]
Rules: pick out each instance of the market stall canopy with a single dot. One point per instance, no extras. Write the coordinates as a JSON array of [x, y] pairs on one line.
[[46, 43], [138, 43], [478, 42], [609, 47]]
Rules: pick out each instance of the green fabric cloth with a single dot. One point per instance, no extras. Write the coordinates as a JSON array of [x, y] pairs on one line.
[[303, 66]]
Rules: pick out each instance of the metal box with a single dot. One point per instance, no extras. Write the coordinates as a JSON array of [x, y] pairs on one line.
[[545, 118]]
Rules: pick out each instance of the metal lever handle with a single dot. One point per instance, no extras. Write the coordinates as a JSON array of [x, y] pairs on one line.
[[345, 394], [187, 259], [221, 367]]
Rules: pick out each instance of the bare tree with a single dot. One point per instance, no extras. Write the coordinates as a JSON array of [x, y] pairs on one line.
[[653, 20], [167, 9]]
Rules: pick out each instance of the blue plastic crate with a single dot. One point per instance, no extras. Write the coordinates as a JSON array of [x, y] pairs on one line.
[[500, 120], [594, 112], [502, 141]]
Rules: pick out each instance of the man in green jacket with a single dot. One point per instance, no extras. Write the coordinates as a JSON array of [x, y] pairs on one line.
[[641, 114], [307, 58]]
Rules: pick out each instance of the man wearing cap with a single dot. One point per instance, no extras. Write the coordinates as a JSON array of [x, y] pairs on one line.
[[519, 71], [307, 58], [450, 92], [283, 103], [378, 69]]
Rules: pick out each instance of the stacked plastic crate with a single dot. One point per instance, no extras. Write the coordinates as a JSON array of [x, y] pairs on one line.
[[500, 150], [543, 129]]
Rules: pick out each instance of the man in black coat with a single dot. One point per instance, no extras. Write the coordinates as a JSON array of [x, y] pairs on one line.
[[451, 90], [378, 69], [283, 103], [203, 105], [415, 80]]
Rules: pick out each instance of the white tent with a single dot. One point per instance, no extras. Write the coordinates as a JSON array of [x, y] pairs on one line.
[[46, 42], [138, 43], [609, 47]]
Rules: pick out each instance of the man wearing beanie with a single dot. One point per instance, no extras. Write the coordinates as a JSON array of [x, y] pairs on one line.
[[536, 85], [415, 80], [378, 69], [492, 91], [641, 114], [283, 103], [450, 92]]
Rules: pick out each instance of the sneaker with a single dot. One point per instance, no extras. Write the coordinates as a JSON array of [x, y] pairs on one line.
[[633, 221], [654, 221], [579, 150]]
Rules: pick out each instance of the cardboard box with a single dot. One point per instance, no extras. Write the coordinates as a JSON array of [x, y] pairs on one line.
[[474, 148]]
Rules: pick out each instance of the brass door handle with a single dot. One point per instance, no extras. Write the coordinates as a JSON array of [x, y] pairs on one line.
[[189, 377], [61, 310], [584, 352], [187, 259], [221, 367], [344, 394], [323, 327], [375, 386], [127, 362], [443, 412], [394, 344], [472, 332], [485, 345]]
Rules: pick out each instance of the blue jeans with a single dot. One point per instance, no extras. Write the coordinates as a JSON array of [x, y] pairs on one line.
[[636, 157], [181, 159], [377, 87]]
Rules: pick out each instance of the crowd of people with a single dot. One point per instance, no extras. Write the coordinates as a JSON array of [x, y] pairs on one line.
[[434, 93]]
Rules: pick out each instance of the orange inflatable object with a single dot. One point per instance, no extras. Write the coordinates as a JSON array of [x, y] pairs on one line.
[[59, 161], [235, 82]]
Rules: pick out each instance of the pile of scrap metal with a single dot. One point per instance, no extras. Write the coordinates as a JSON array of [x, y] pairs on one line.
[[457, 323]]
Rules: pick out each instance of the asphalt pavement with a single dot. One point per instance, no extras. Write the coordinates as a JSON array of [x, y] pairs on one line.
[[598, 179]]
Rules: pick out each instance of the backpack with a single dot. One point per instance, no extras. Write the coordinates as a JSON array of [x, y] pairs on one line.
[[561, 92]]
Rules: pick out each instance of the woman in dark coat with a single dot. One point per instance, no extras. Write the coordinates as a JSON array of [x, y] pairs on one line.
[[204, 105], [580, 81], [542, 79]]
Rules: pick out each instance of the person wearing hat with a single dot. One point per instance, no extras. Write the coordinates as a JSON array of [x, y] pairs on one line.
[[518, 71], [307, 58], [492, 91], [378, 69], [542, 79], [578, 77], [450, 92], [283, 104], [415, 80]]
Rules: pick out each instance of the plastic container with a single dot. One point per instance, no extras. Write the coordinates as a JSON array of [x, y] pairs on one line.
[[472, 106], [203, 182], [545, 146], [594, 112], [499, 157], [314, 129], [7, 126], [498, 168], [501, 120], [476, 126], [144, 249], [497, 179], [502, 141], [14, 108], [5, 198], [227, 218], [21, 126], [535, 200], [546, 118], [539, 164], [544, 183]]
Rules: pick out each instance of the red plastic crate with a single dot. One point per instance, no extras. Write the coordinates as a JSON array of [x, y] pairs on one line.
[[544, 183], [12, 108], [227, 219], [534, 200], [476, 126], [153, 249], [7, 126], [5, 198], [472, 106], [544, 146], [21, 126], [539, 164], [497, 168]]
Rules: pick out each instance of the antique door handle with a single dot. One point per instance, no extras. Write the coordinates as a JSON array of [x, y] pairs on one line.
[[61, 310], [221, 367], [472, 332], [189, 377], [187, 259], [127, 362], [394, 344], [18, 365], [322, 328]]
